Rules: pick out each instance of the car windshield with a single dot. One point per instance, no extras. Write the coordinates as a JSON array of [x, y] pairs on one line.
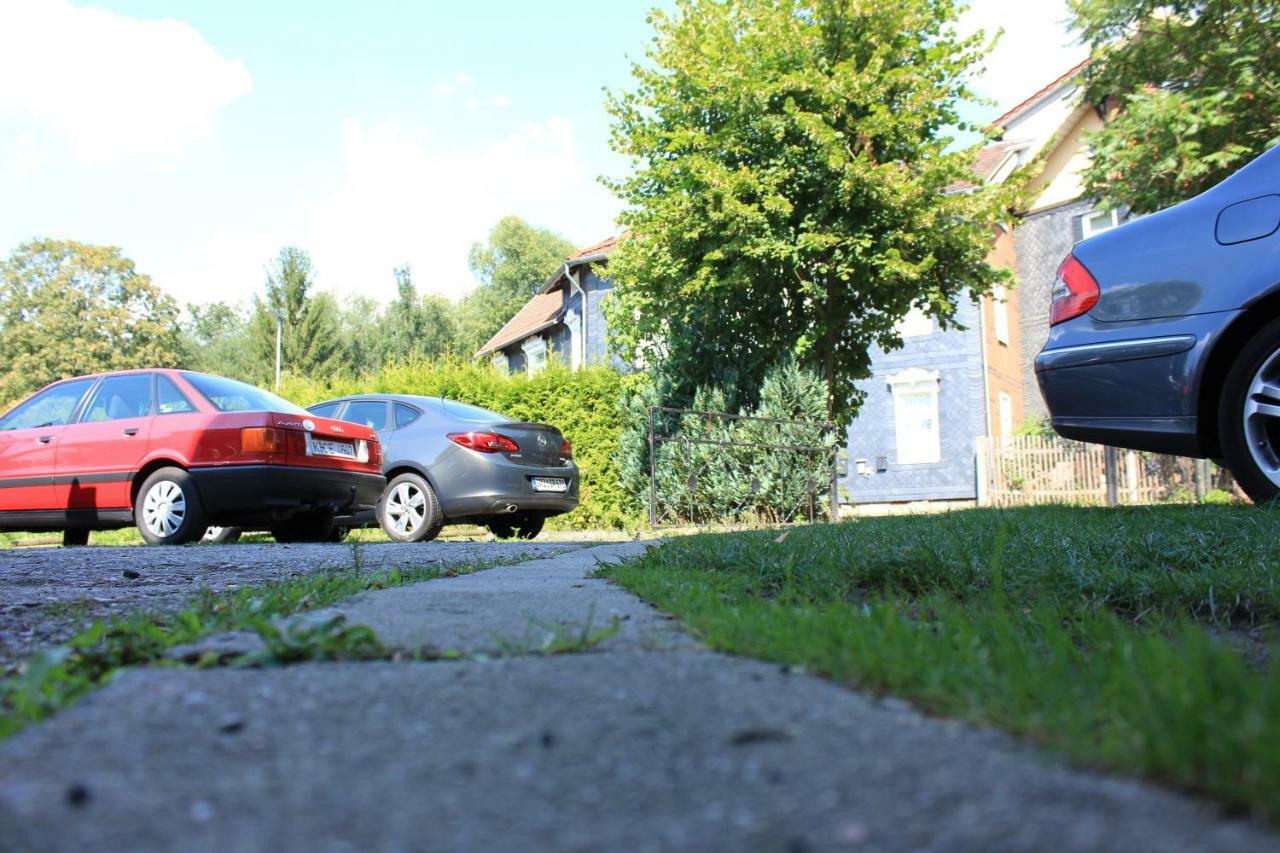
[[465, 412], [228, 395]]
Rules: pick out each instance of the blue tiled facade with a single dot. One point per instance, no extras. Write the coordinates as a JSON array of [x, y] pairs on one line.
[[955, 355], [559, 337]]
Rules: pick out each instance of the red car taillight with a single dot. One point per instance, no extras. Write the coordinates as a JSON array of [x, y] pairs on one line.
[[271, 440], [566, 450], [485, 442], [1074, 292], [375, 452]]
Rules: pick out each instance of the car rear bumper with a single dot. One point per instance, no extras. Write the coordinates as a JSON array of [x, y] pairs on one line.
[[1133, 385], [244, 494], [473, 486]]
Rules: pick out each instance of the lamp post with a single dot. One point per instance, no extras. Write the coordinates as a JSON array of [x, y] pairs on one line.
[[279, 335]]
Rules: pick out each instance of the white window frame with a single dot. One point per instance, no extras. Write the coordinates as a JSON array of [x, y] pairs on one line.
[[1000, 307], [501, 363], [535, 355], [573, 325], [1004, 404], [914, 448], [1111, 219], [914, 324]]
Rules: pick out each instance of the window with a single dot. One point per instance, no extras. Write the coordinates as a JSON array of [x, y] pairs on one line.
[[573, 325], [1000, 305], [406, 415], [915, 324], [120, 397], [915, 411], [466, 412], [228, 395], [170, 400], [370, 413], [326, 410], [1006, 415], [51, 407], [1099, 221], [535, 355]]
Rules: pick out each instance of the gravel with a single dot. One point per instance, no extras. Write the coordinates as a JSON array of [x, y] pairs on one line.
[[48, 594]]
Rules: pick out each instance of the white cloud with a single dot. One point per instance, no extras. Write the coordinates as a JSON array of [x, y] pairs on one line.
[[408, 197], [111, 85], [1035, 50], [405, 196]]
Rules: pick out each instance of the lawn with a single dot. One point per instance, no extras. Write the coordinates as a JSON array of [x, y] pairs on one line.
[[1136, 639]]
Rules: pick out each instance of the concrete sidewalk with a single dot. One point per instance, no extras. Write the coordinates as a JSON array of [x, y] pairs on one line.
[[646, 742]]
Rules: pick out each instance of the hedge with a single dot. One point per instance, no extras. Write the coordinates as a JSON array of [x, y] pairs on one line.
[[583, 404]]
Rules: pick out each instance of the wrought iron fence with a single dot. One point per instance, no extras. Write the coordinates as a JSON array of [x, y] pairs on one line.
[[717, 468]]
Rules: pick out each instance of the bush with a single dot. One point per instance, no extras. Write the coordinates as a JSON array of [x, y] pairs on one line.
[[582, 404], [727, 479]]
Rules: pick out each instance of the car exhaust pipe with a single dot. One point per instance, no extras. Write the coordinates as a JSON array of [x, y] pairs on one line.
[[510, 508]]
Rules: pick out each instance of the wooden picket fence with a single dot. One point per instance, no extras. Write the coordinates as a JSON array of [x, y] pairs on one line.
[[1026, 470]]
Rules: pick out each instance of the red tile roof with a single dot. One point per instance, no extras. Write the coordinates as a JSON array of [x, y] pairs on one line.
[[540, 312], [986, 164], [543, 310], [1000, 122]]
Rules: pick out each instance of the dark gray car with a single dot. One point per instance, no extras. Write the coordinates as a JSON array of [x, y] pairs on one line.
[[1166, 331], [451, 463]]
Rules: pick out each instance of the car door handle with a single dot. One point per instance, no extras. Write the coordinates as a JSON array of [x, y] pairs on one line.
[[131, 431], [45, 439]]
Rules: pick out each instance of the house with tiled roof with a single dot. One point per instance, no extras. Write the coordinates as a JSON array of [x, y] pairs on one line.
[[925, 405], [563, 320]]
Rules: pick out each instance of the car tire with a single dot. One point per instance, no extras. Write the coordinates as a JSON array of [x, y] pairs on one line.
[[517, 527], [167, 509], [409, 510], [1248, 432], [221, 535], [316, 527]]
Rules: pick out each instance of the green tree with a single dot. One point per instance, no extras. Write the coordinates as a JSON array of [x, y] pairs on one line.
[[788, 192], [417, 327], [312, 343], [1197, 85], [510, 266], [68, 308], [216, 338]]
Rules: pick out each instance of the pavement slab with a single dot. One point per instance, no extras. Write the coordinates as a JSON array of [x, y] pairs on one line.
[[643, 742]]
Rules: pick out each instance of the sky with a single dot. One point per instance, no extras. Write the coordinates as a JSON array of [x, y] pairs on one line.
[[200, 136]]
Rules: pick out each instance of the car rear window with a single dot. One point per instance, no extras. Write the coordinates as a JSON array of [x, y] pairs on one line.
[[228, 395], [466, 412]]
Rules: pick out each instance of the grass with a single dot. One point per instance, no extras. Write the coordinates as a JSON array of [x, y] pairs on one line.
[[53, 679], [1133, 639]]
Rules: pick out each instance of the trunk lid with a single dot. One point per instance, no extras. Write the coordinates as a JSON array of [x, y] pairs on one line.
[[539, 443]]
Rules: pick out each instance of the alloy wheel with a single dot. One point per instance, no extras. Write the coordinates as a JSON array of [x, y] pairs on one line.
[[1262, 417], [164, 509], [406, 508]]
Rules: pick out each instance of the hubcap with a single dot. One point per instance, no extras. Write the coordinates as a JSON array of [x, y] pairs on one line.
[[164, 508], [406, 508], [1262, 417]]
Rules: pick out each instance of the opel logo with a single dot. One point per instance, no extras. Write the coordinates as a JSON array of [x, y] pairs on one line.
[[308, 425], [542, 442]]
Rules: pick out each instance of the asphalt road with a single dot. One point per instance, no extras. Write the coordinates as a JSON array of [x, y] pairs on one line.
[[48, 594]]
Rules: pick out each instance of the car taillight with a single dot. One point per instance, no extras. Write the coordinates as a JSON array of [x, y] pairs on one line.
[[271, 440], [1074, 292], [485, 442], [566, 450], [369, 451]]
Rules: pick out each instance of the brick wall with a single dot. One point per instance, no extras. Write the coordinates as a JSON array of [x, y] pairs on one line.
[[1042, 240]]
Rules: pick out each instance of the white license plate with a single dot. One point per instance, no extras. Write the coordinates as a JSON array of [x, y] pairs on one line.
[[325, 447], [550, 484]]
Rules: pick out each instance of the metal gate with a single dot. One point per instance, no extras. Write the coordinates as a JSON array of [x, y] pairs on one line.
[[717, 468]]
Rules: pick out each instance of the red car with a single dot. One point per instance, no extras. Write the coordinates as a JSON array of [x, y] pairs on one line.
[[176, 452]]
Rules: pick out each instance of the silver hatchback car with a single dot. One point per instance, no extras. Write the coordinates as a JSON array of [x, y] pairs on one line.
[[451, 463]]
